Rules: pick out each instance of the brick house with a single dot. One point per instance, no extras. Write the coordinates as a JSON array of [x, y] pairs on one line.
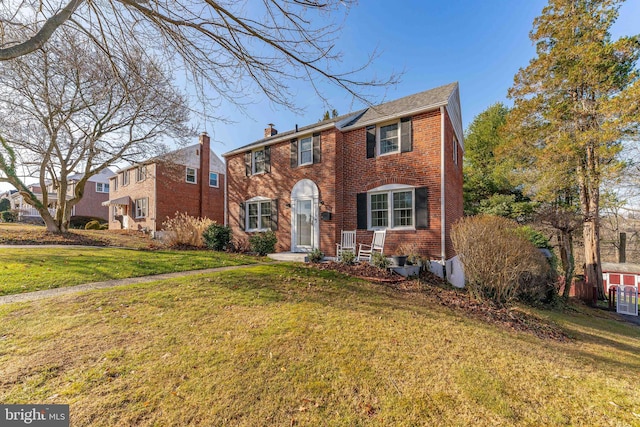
[[96, 192], [190, 180], [396, 166]]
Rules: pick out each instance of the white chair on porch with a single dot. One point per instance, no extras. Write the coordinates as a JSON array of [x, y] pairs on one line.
[[347, 244], [365, 252]]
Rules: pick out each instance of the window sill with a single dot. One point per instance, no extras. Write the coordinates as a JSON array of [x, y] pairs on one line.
[[188, 182], [257, 230], [391, 229], [391, 153]]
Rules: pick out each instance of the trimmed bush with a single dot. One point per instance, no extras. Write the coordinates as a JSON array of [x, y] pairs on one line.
[[217, 237], [263, 243], [500, 264], [380, 261], [348, 258], [92, 225], [80, 222], [9, 216], [316, 256], [185, 230]]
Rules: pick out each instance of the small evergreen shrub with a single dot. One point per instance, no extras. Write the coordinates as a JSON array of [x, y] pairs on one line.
[[263, 243], [5, 205], [348, 258], [316, 256], [92, 225], [380, 261], [217, 237], [9, 216]]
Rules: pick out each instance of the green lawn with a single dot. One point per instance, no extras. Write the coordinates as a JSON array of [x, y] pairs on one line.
[[285, 345], [26, 270]]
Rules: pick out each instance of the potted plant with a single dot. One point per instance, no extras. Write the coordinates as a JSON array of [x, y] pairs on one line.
[[399, 258]]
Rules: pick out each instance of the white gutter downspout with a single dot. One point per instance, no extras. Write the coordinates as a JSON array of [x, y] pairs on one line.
[[442, 194], [226, 185]]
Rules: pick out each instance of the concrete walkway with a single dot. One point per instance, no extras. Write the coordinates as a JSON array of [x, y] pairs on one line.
[[37, 295]]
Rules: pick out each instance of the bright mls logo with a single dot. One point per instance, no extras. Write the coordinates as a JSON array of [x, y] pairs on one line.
[[34, 415]]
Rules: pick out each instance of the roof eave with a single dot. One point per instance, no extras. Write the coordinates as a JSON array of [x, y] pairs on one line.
[[279, 139], [398, 115]]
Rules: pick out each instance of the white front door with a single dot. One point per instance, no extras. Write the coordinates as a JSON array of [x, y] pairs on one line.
[[305, 225], [305, 228]]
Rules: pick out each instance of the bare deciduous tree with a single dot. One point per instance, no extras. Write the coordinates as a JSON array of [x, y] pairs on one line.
[[232, 47], [68, 107]]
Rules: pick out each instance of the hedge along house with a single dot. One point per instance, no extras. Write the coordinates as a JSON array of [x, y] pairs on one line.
[[189, 180], [396, 166]]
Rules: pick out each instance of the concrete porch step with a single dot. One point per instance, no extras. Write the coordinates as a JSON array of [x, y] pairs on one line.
[[288, 256]]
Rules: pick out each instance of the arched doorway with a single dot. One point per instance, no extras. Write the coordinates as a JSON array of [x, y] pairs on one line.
[[305, 228]]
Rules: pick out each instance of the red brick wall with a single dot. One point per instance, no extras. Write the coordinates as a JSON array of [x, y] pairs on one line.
[[344, 172], [91, 203], [420, 167], [135, 190], [454, 203], [278, 185]]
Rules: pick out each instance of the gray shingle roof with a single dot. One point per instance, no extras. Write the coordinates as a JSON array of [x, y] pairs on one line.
[[432, 97]]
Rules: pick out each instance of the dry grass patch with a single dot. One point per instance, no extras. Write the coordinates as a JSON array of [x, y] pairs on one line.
[[287, 345]]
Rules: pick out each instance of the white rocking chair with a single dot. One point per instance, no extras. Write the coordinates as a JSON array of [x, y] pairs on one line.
[[365, 252], [347, 244]]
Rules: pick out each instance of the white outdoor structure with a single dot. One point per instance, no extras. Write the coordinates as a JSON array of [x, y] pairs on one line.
[[627, 300], [347, 244], [365, 252]]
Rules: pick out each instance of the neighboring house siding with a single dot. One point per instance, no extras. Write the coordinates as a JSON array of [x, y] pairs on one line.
[[454, 203], [134, 190], [417, 168], [91, 203]]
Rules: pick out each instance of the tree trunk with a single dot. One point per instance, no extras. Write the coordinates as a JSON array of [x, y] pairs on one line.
[[592, 267], [565, 239]]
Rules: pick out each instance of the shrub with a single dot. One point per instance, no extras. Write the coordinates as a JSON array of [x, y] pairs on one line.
[[9, 216], [348, 258], [5, 205], [92, 225], [80, 222], [379, 260], [185, 230], [316, 256], [263, 243], [499, 262], [217, 237]]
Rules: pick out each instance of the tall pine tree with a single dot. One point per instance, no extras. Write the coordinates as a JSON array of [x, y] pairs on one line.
[[575, 103]]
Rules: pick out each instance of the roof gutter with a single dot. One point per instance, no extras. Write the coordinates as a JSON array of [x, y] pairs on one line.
[[282, 138]]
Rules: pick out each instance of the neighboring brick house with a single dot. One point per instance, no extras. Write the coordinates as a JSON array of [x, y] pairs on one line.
[[96, 191], [396, 166], [189, 180]]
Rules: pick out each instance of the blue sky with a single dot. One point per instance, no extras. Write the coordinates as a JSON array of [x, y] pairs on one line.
[[479, 44]]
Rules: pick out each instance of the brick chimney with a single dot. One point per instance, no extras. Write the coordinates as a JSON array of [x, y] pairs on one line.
[[270, 131], [205, 154]]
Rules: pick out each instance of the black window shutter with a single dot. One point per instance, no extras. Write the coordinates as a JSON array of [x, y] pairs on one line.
[[361, 208], [406, 135], [317, 149], [274, 214], [422, 211], [267, 159], [247, 163], [371, 142], [294, 153], [242, 216]]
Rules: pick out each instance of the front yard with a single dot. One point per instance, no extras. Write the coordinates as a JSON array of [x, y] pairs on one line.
[[288, 345], [37, 268]]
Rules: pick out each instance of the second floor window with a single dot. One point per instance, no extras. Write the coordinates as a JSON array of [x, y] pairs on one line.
[[102, 188], [114, 182], [191, 175], [141, 173], [258, 162], [389, 139], [213, 179], [125, 178], [306, 151], [141, 208]]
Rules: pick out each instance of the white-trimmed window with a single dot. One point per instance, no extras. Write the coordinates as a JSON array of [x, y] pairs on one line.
[[141, 173], [102, 187], [258, 215], [141, 207], [125, 178], [191, 176], [114, 183], [305, 151], [392, 206], [114, 212], [213, 179], [389, 138], [258, 161]]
